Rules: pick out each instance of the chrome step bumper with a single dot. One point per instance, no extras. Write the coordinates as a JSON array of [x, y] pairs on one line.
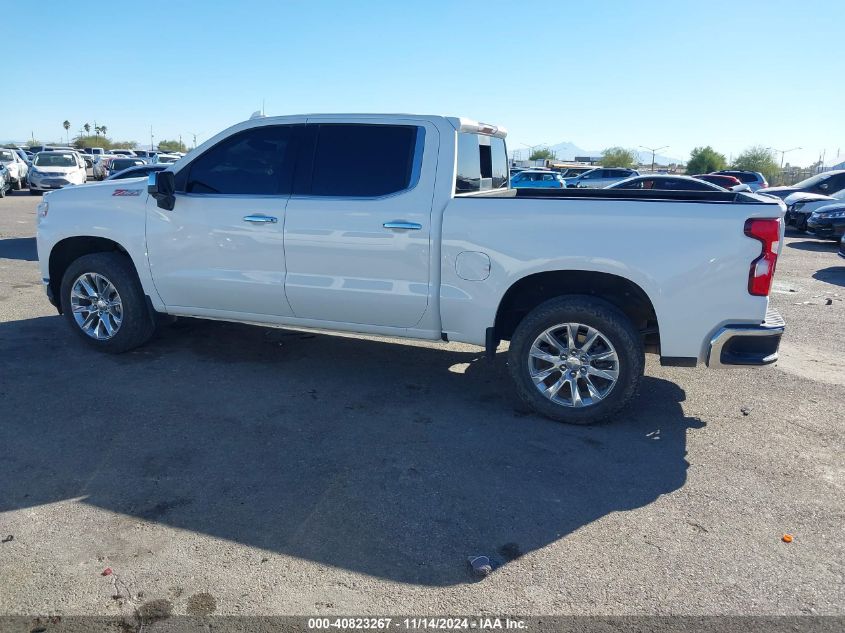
[[747, 344]]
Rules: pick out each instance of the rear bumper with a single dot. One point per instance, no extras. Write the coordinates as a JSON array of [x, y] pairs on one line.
[[747, 344]]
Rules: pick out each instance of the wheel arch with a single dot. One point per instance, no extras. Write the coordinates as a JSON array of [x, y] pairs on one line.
[[530, 291], [68, 250]]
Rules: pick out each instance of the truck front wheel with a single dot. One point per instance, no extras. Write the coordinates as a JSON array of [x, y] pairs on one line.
[[576, 359], [103, 301]]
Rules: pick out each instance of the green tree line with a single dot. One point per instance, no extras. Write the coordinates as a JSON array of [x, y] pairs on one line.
[[703, 160]]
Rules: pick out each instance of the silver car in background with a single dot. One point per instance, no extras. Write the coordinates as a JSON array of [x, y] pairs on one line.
[[601, 177]]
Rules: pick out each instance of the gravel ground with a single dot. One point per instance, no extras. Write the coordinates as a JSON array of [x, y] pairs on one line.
[[232, 469]]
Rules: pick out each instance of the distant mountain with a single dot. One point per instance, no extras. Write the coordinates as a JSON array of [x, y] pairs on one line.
[[568, 151], [659, 159]]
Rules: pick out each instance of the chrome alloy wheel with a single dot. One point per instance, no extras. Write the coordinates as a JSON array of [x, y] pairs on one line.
[[97, 308], [573, 365]]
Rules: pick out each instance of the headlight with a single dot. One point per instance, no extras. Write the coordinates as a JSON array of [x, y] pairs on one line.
[[43, 208], [797, 206], [826, 215]]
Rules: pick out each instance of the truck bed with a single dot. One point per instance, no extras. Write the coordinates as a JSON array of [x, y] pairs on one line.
[[631, 194]]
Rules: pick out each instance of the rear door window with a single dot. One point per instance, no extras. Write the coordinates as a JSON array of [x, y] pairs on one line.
[[364, 161]]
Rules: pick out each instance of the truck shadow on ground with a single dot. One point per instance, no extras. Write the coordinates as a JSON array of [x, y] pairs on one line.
[[388, 459], [22, 248]]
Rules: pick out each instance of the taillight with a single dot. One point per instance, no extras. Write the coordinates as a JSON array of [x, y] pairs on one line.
[[762, 270]]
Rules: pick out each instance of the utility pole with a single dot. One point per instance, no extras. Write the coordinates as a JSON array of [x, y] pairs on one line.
[[180, 142], [195, 142], [653, 151], [152, 147]]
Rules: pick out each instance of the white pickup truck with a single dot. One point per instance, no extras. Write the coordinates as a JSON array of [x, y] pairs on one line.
[[405, 226]]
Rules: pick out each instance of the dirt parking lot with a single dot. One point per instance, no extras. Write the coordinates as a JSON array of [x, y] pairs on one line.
[[240, 470]]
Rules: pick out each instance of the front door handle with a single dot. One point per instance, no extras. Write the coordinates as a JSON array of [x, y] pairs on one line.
[[260, 219], [408, 226]]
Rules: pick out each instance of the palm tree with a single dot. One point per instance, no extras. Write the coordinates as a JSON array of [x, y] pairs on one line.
[[103, 130], [87, 128], [66, 126]]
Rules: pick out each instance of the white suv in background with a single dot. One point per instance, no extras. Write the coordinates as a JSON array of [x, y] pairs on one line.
[[15, 164], [54, 170], [601, 177]]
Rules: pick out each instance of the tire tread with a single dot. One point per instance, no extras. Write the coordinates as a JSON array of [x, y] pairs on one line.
[[138, 325], [589, 310]]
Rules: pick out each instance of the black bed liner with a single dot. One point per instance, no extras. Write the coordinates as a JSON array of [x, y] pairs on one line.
[[629, 194]]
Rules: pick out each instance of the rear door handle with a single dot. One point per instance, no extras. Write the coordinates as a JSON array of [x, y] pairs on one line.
[[260, 219], [409, 226]]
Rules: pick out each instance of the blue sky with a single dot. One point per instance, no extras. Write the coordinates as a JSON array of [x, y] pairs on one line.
[[726, 73]]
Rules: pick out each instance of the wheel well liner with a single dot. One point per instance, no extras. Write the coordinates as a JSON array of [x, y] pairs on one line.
[[532, 290], [72, 248]]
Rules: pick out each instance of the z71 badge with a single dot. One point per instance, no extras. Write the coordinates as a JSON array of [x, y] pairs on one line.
[[127, 192]]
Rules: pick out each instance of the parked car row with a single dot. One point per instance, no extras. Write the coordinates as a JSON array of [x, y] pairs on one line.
[[620, 178], [51, 167], [823, 215]]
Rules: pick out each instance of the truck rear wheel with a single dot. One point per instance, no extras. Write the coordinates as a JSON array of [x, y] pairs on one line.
[[103, 301], [576, 359]]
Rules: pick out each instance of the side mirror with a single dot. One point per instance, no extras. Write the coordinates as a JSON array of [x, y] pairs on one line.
[[823, 186], [161, 185]]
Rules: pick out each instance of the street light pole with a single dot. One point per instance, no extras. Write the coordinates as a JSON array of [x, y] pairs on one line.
[[653, 151], [531, 148], [783, 153]]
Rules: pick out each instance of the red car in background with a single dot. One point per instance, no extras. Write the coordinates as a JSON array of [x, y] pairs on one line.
[[728, 182]]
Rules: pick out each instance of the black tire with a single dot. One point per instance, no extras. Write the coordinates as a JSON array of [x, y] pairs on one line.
[[138, 324], [595, 313], [18, 185], [34, 192]]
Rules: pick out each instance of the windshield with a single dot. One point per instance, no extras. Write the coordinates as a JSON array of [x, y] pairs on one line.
[[123, 163], [54, 160], [812, 181], [133, 173], [6, 156]]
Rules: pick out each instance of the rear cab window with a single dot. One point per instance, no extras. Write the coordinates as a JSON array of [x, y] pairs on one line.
[[482, 163]]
